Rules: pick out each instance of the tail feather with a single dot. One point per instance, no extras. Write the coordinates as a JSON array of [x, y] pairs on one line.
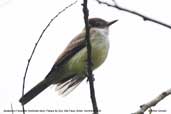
[[34, 91], [64, 87], [68, 85]]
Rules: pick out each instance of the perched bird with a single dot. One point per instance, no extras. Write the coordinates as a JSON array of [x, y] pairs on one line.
[[69, 69]]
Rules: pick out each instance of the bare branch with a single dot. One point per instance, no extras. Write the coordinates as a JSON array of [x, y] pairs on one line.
[[89, 62], [12, 109], [146, 18], [23, 109], [28, 63], [153, 102]]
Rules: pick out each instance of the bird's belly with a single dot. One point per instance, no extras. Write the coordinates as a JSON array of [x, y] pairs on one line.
[[99, 54], [77, 64]]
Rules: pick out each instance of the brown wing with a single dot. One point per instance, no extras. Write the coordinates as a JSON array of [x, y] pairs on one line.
[[73, 47], [68, 84]]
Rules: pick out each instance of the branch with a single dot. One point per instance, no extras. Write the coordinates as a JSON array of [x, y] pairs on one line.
[[153, 102], [12, 109], [29, 60], [145, 18], [89, 62]]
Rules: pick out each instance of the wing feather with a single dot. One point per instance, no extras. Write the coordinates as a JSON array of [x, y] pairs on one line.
[[68, 84], [73, 47]]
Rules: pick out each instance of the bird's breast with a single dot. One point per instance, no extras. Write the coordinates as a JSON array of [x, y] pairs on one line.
[[99, 49]]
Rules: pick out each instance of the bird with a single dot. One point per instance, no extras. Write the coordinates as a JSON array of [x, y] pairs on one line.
[[69, 69]]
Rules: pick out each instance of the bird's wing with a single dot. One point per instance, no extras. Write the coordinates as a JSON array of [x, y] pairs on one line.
[[68, 84], [73, 47]]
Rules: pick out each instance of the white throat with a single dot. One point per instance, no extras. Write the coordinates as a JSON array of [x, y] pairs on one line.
[[102, 31]]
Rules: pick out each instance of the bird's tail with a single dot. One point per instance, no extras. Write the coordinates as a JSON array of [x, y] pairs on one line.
[[35, 91]]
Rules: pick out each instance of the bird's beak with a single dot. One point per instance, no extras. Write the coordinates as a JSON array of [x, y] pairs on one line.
[[110, 23]]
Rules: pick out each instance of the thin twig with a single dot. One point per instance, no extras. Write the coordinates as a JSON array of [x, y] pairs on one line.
[[153, 102], [12, 109], [23, 109], [89, 62], [145, 18], [28, 63]]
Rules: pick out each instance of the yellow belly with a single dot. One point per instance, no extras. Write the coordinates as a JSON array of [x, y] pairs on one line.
[[77, 64]]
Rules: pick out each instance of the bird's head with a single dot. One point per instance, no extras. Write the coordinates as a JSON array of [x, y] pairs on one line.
[[100, 23]]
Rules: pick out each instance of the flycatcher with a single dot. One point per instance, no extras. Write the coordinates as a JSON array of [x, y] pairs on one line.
[[69, 69]]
